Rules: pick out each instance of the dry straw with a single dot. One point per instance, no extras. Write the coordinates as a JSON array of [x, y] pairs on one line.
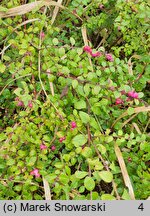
[[124, 172], [23, 9]]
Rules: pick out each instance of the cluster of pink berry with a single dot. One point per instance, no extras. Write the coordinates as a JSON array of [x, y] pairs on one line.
[[131, 95], [73, 126], [21, 104], [43, 146], [35, 173], [88, 49]]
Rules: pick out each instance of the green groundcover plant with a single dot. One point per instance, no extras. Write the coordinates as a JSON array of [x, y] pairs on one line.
[[75, 112]]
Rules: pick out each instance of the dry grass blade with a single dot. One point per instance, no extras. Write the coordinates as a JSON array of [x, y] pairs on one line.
[[136, 127], [50, 83], [128, 120], [130, 63], [142, 109], [136, 110], [124, 171], [84, 35], [146, 126], [4, 49], [26, 22], [19, 10], [23, 9], [52, 88], [55, 12], [46, 189]]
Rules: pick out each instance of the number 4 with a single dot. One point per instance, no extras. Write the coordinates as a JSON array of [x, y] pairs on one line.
[[141, 207]]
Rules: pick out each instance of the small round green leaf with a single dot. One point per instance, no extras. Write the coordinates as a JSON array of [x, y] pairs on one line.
[[87, 152], [107, 197], [80, 104], [89, 183], [55, 41], [80, 174], [79, 140], [106, 176], [84, 117], [74, 84], [72, 41]]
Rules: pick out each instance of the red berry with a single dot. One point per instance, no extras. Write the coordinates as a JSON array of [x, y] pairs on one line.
[[42, 147], [17, 99], [62, 139], [129, 159], [133, 94], [30, 104], [73, 124], [20, 103], [119, 101], [97, 54], [53, 148], [109, 57], [87, 49], [35, 172], [130, 93]]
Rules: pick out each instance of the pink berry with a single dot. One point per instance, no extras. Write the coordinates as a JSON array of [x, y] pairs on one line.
[[17, 99], [62, 139], [97, 54], [101, 6], [119, 101], [42, 35], [42, 147], [53, 148], [20, 103], [35, 172], [109, 57], [37, 175], [87, 49], [133, 94], [129, 159], [30, 104], [130, 93], [73, 124]]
